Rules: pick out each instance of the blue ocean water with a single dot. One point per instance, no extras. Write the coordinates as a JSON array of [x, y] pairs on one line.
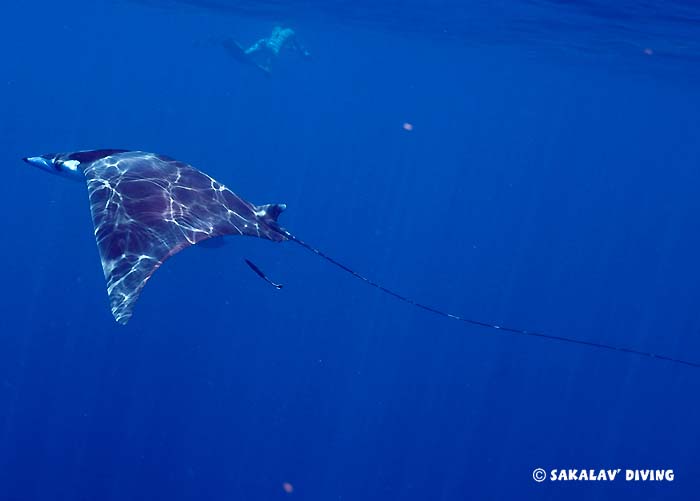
[[549, 182]]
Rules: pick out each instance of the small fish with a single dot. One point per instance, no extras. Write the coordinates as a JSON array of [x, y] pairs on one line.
[[261, 274]]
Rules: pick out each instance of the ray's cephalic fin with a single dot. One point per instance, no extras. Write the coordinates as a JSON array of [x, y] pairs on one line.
[[495, 327]]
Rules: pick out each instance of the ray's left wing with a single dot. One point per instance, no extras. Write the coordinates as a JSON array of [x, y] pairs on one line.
[[147, 207]]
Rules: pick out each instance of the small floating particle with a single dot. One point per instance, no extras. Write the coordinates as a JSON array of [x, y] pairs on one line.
[[407, 126], [288, 488], [648, 51]]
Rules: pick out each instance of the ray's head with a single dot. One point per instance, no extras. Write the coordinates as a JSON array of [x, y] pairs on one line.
[[56, 163], [69, 165]]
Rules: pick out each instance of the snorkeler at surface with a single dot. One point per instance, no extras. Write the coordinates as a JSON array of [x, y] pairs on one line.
[[262, 52]]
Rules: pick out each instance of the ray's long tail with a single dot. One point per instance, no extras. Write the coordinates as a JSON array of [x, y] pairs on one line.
[[465, 320]]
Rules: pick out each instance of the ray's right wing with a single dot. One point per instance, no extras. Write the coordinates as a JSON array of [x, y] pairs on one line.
[[147, 207]]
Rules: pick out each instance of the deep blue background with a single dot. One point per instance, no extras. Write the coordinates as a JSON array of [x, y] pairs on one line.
[[550, 182]]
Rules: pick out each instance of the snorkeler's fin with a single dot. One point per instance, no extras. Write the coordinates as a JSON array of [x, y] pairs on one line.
[[238, 52], [235, 50]]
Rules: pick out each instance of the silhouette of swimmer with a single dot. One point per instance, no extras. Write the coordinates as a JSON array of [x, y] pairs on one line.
[[265, 50]]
